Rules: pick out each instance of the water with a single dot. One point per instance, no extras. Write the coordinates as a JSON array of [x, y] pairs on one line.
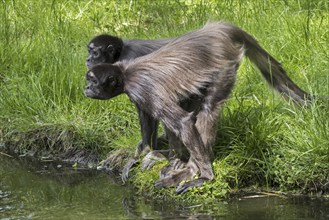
[[50, 190]]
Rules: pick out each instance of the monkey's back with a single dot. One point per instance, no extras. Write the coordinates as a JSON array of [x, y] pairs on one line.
[[186, 64], [136, 48]]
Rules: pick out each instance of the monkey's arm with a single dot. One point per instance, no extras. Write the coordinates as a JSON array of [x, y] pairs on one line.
[[149, 130], [182, 124]]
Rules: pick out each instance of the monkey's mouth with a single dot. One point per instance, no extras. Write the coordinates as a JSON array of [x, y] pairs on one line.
[[89, 65], [89, 93]]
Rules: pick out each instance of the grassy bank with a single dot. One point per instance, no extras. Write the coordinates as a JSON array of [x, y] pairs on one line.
[[262, 142]]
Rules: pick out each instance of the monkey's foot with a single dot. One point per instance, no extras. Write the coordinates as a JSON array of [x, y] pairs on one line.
[[133, 161], [169, 169], [176, 177], [183, 188], [114, 162], [151, 158], [148, 161], [126, 169]]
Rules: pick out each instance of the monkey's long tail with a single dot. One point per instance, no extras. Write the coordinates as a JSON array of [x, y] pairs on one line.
[[271, 69]]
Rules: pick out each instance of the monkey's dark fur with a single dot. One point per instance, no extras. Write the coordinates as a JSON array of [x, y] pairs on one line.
[[110, 49], [202, 64]]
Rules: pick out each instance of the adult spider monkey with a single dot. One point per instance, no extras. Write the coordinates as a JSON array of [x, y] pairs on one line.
[[201, 64]]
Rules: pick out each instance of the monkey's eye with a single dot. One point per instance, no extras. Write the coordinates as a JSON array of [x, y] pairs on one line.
[[96, 53], [95, 81]]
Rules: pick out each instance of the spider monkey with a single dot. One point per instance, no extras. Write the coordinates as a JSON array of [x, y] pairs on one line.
[[201, 64]]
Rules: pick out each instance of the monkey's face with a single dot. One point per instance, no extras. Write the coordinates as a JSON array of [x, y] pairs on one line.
[[99, 54], [104, 81]]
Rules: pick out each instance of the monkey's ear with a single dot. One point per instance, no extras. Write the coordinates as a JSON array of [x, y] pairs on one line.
[[110, 49]]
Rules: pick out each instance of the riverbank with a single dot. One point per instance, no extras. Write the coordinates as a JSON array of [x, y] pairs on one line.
[[51, 190], [262, 141]]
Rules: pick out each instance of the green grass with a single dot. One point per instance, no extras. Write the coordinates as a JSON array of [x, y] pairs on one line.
[[263, 141]]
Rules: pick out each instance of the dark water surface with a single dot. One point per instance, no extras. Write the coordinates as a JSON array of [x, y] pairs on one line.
[[47, 190]]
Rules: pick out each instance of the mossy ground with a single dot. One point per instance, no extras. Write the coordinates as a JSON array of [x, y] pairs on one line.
[[262, 140]]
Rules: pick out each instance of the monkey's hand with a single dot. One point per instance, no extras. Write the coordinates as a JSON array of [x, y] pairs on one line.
[[148, 161], [177, 176], [183, 188], [114, 162], [140, 151], [125, 171], [169, 169], [151, 158]]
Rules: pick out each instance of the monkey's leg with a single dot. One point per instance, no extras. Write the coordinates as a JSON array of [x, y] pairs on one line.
[[207, 118], [199, 161], [149, 131], [161, 152], [206, 125], [178, 155]]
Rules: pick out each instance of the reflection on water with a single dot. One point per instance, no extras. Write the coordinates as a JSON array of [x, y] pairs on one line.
[[31, 190]]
